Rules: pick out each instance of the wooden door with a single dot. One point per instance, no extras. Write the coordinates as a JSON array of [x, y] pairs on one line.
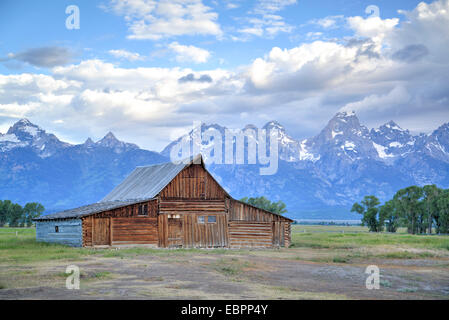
[[101, 231], [174, 232]]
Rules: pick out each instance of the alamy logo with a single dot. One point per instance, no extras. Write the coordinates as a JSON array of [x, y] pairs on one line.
[[261, 147], [373, 280], [73, 20], [73, 280]]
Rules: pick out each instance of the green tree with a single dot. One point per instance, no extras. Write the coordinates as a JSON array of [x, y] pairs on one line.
[[389, 213], [442, 212], [278, 207], [368, 207], [431, 195], [408, 201], [4, 212], [31, 211], [15, 215], [422, 217]]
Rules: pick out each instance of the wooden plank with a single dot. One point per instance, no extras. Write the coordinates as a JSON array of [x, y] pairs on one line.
[[250, 234]]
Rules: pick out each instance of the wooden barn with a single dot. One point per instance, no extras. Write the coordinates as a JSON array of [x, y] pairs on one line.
[[170, 206]]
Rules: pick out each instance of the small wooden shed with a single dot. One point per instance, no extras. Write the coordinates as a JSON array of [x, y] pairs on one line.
[[167, 205]]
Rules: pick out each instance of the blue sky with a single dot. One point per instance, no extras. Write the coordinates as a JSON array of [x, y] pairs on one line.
[[28, 24], [297, 62]]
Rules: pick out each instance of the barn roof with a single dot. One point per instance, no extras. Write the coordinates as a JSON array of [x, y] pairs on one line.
[[143, 184], [88, 210], [147, 182]]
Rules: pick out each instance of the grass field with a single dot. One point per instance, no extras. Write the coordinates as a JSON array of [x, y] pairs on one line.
[[318, 265]]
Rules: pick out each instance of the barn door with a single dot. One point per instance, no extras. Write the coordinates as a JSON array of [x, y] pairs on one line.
[[101, 231], [174, 232]]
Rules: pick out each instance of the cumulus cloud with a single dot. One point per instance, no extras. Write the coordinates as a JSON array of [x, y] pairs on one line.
[[153, 20], [383, 71], [46, 57], [127, 55], [189, 53]]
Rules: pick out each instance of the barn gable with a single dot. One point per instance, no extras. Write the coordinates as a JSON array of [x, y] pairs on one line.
[[193, 182]]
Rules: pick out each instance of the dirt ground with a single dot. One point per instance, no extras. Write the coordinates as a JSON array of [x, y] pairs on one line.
[[296, 273]]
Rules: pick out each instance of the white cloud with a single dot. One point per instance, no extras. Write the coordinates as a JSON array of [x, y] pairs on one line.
[[154, 20], [374, 27], [127, 55], [265, 6], [301, 86], [328, 22], [378, 102], [189, 53], [265, 21]]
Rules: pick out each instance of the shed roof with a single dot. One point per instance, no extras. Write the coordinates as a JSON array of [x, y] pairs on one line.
[[88, 210]]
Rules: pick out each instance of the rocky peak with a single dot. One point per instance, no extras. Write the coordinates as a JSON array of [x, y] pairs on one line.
[[109, 140], [24, 130], [343, 125], [273, 125], [89, 142]]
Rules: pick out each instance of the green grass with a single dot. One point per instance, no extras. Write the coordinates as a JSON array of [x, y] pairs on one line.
[[230, 267], [102, 275], [349, 240], [385, 283], [25, 249]]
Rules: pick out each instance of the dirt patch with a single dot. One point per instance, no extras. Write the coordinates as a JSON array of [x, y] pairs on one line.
[[296, 273]]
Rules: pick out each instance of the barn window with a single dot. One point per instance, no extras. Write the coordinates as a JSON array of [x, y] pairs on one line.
[[56, 228], [201, 219], [211, 219], [143, 210]]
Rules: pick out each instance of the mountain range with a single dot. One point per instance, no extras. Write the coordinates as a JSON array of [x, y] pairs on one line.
[[319, 177]]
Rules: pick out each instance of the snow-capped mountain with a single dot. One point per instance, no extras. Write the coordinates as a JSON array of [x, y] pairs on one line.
[[25, 134], [338, 166], [318, 177], [37, 166], [391, 141], [437, 144]]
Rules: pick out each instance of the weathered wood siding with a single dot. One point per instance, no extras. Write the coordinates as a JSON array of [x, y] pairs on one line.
[[243, 212], [253, 227], [193, 183], [205, 235], [70, 231], [125, 226], [250, 234], [288, 234], [193, 234], [184, 230], [192, 193]]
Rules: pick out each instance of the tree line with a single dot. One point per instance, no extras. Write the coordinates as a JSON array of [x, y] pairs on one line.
[[278, 207], [419, 209], [15, 215]]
